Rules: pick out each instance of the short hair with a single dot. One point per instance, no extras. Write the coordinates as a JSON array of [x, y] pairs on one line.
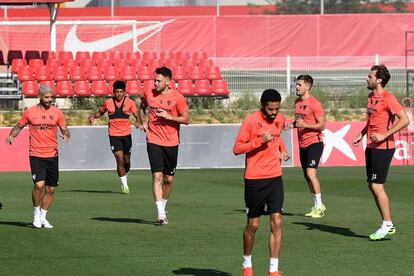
[[270, 95], [119, 84], [165, 71], [306, 78], [43, 89], [381, 73]]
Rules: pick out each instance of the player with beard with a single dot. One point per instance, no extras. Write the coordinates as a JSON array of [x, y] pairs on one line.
[[43, 120], [260, 139]]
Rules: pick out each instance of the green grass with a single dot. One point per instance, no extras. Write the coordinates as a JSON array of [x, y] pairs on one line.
[[99, 231]]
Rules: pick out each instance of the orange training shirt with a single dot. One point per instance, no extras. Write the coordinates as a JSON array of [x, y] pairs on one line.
[[43, 125], [119, 126], [262, 159], [381, 109], [161, 131], [308, 110]]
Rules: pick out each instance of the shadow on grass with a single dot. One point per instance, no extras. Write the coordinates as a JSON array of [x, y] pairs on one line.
[[331, 229], [16, 223], [125, 220], [91, 191], [200, 272]]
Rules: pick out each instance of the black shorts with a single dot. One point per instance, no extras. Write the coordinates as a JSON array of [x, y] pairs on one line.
[[121, 143], [162, 158], [377, 164], [259, 193], [45, 169], [310, 156]]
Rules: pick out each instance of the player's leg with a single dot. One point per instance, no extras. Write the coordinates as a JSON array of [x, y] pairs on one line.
[[170, 163], [38, 170], [127, 145], [313, 155], [51, 182]]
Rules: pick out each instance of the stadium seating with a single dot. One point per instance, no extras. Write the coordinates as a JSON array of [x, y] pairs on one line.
[[65, 55], [99, 55], [133, 88], [99, 88], [110, 73], [16, 64], [29, 88], [179, 73], [202, 88], [86, 63], [46, 55], [103, 62], [43, 73], [59, 73], [77, 73], [199, 55], [14, 54], [35, 63], [137, 63], [132, 56], [219, 88], [81, 55], [82, 88], [52, 63], [93, 73], [64, 88], [121, 62], [145, 73], [127, 73], [31, 54], [25, 74], [172, 84], [196, 73], [116, 55], [185, 87], [148, 86], [213, 72], [146, 56], [49, 83]]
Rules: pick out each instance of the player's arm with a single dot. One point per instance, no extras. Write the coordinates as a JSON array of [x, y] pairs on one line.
[[182, 118], [402, 123], [284, 155], [245, 144], [98, 114], [13, 133], [358, 138], [320, 124], [65, 133], [143, 116], [138, 122]]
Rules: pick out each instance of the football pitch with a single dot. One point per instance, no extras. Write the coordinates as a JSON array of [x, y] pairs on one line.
[[99, 231]]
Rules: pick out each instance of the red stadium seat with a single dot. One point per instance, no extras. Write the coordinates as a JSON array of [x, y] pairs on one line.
[[82, 88], [49, 83], [166, 55], [133, 88], [25, 74], [146, 56], [53, 63], [29, 88], [64, 88], [185, 87], [137, 63], [64, 55], [14, 54], [86, 63], [120, 63], [153, 63], [213, 73], [99, 88], [99, 55], [31, 54], [145, 73], [81, 55], [202, 88], [132, 56], [17, 63], [110, 87], [127, 73], [93, 73], [219, 88], [148, 85], [68, 63], [179, 73], [200, 55], [59, 73], [196, 73], [103, 63], [46, 55], [115, 55], [110, 73], [182, 55], [35, 63], [172, 84], [43, 73], [185, 63], [77, 73]]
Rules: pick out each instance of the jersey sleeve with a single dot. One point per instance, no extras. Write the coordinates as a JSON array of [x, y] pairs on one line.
[[393, 105], [318, 109], [243, 143], [103, 108], [24, 120], [132, 106], [61, 119], [181, 104]]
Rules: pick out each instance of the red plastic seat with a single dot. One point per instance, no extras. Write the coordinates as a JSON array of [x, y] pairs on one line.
[[179, 73], [169, 63], [196, 73], [202, 88], [86, 63], [82, 88], [68, 63], [185, 63], [185, 87], [46, 55], [93, 73], [127, 73], [49, 83], [115, 55], [77, 73], [99, 55], [146, 56], [204, 63], [81, 55], [103, 63], [182, 55], [153, 63], [99, 88], [35, 63], [166, 55], [133, 88], [200, 55], [31, 54], [53, 63], [17, 63], [110, 73], [25, 74], [120, 63], [43, 73], [219, 87], [59, 73], [14, 54], [110, 87], [172, 84], [148, 86], [29, 88], [213, 73], [145, 73], [132, 55], [64, 88], [64, 55], [137, 63]]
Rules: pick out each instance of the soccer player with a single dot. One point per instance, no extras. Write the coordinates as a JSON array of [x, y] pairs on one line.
[[43, 120], [382, 108], [119, 109], [310, 122], [259, 138], [162, 111]]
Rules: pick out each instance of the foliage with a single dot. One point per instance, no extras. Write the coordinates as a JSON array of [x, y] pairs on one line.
[[334, 6]]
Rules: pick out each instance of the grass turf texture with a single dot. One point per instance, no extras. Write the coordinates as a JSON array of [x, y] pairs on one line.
[[99, 231]]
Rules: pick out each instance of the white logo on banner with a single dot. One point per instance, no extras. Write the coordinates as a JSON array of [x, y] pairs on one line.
[[336, 140], [74, 44]]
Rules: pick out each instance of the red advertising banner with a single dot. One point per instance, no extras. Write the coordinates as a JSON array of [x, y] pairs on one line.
[[15, 157], [339, 151]]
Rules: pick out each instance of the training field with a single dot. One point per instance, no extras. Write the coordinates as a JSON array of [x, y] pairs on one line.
[[99, 231]]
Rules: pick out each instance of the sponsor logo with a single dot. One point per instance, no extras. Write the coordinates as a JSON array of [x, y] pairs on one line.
[[34, 176], [374, 176], [312, 163], [74, 44], [247, 210], [336, 140]]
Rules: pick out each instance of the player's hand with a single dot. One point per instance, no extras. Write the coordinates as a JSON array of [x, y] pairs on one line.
[[91, 119], [64, 138], [377, 137], [266, 137], [300, 123], [284, 156], [288, 126], [143, 127], [163, 114], [357, 140], [9, 140]]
